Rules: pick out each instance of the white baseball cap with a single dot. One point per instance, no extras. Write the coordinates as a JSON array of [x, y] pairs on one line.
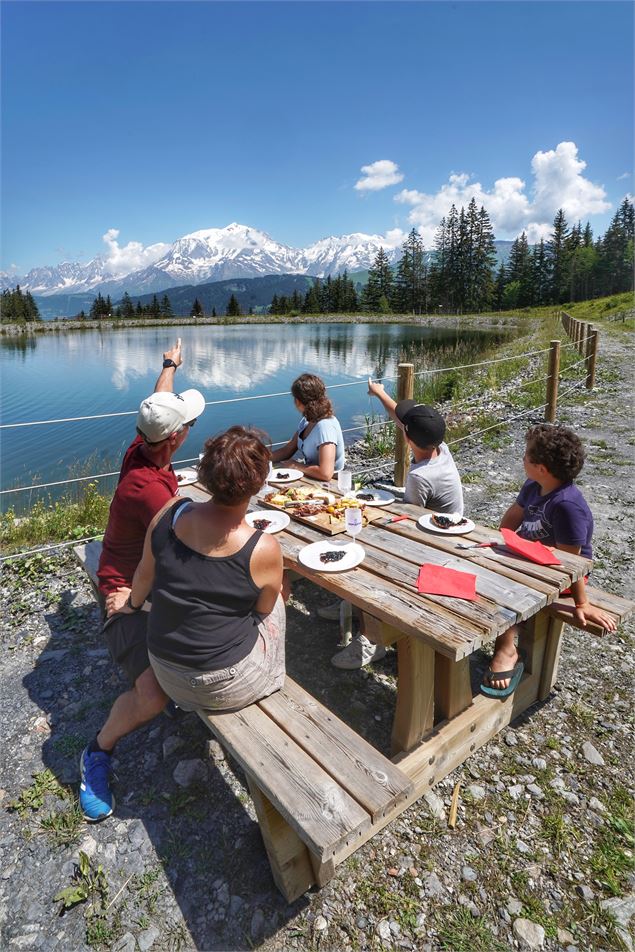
[[163, 413]]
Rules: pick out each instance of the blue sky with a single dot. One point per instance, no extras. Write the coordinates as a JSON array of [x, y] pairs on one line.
[[157, 119]]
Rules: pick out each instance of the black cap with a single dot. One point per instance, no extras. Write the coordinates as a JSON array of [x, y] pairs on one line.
[[423, 424]]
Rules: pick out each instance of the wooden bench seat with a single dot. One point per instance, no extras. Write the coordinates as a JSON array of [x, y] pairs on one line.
[[614, 605], [317, 786]]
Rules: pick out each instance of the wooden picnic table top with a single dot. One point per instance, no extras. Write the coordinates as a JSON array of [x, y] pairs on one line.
[[509, 588]]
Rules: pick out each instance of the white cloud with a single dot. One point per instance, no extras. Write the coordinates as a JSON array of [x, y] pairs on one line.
[[122, 259], [379, 175], [624, 175], [394, 237], [558, 182]]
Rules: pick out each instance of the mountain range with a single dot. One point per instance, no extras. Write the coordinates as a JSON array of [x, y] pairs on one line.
[[213, 254]]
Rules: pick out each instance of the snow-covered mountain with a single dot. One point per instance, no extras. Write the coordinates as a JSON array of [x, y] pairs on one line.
[[212, 254]]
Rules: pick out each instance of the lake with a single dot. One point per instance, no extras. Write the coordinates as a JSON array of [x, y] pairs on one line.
[[52, 376]]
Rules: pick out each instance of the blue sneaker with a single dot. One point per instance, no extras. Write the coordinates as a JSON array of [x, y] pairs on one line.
[[95, 796]]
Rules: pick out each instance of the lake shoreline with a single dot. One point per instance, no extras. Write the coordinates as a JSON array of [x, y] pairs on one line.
[[423, 320]]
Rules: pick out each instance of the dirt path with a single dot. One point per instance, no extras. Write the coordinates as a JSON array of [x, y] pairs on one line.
[[539, 847]]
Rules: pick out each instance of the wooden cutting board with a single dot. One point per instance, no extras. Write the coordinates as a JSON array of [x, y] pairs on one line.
[[325, 521]]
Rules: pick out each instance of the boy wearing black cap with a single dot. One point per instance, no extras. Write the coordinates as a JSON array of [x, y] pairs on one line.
[[433, 480]]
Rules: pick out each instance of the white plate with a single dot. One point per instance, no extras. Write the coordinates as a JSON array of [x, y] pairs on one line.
[[354, 554], [185, 477], [381, 497], [278, 520], [291, 476], [426, 523]]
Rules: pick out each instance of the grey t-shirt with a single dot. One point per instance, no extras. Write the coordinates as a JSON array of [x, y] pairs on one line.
[[435, 483]]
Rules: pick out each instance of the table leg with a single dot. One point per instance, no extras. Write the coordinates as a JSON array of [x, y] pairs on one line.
[[414, 711], [452, 687], [551, 660], [291, 862]]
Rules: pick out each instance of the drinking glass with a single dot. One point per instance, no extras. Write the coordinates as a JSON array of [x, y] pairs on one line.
[[344, 480], [353, 521]]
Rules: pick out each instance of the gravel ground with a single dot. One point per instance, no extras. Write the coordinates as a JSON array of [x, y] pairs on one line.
[[541, 856]]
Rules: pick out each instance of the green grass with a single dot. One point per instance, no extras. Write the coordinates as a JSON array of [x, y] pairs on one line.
[[32, 798], [64, 827], [612, 858], [55, 521], [459, 931]]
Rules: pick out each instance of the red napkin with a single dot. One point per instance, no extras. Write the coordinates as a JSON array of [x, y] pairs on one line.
[[534, 551], [437, 580]]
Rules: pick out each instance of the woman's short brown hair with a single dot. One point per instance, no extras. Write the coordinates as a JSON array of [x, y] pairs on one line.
[[310, 390], [558, 448], [235, 465]]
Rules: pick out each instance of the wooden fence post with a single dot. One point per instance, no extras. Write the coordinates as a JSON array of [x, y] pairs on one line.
[[552, 382], [405, 390], [591, 356]]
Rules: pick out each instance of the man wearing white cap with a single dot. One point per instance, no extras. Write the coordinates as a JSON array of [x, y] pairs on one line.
[[146, 482]]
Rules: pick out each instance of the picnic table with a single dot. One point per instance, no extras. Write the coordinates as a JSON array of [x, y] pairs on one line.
[[319, 789], [439, 720]]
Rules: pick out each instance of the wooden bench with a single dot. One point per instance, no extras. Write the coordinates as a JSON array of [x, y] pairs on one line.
[[318, 787], [614, 605]]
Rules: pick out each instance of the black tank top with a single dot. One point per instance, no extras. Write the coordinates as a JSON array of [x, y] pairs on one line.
[[203, 607]]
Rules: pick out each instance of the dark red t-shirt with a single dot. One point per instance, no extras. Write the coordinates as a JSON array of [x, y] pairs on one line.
[[142, 490]]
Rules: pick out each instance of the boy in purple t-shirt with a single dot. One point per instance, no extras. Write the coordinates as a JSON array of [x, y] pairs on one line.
[[549, 509]]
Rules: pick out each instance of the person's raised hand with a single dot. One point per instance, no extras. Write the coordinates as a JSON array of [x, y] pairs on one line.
[[375, 389], [175, 353]]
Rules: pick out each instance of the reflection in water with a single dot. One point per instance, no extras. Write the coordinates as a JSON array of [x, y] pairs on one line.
[[92, 372]]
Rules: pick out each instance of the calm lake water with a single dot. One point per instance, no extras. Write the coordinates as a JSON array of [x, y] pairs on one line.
[[53, 376]]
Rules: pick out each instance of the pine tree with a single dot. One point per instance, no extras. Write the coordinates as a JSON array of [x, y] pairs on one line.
[[557, 256], [31, 310], [540, 276], [410, 294], [380, 282], [213, 312], [166, 307], [233, 307], [197, 309], [312, 299], [519, 271], [483, 261], [139, 309], [127, 308]]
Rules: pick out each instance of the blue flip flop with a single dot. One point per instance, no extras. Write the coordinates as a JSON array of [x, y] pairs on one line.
[[514, 675]]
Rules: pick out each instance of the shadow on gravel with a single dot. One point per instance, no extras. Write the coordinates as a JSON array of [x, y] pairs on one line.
[[203, 837]]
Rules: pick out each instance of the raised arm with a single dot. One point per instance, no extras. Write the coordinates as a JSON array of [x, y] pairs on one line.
[[378, 390], [165, 380]]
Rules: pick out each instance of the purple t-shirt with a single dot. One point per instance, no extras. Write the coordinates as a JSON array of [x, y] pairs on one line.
[[562, 517]]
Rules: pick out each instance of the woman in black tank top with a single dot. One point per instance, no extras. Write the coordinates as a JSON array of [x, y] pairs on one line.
[[216, 627]]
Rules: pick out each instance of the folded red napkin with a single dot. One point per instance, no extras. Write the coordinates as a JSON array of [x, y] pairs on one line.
[[437, 580], [534, 551]]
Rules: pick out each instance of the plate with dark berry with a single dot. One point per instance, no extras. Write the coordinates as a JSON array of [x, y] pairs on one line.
[[330, 556], [269, 520], [284, 475], [446, 523], [371, 497]]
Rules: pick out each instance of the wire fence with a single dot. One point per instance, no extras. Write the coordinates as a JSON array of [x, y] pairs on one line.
[[380, 462]]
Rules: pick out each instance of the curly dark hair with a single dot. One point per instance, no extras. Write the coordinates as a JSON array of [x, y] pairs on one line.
[[235, 465], [558, 448], [310, 390]]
